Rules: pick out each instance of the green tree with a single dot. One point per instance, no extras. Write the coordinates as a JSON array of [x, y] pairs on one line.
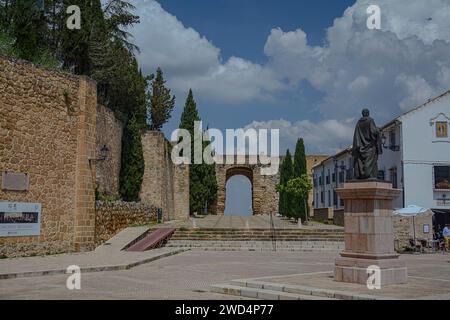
[[27, 27], [299, 210], [132, 173], [202, 177], [286, 173], [160, 102], [297, 188]]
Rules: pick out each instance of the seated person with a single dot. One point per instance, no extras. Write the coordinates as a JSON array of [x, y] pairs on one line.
[[446, 235]]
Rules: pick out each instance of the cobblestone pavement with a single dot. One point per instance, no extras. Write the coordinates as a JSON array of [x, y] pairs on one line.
[[188, 275]]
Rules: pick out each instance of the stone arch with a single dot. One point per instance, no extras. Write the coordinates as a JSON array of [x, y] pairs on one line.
[[245, 171]]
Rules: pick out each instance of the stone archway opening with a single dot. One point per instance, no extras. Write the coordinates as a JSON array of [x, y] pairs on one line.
[[238, 196], [239, 191]]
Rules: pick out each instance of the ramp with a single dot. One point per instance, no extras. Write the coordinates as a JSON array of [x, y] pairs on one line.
[[154, 239]]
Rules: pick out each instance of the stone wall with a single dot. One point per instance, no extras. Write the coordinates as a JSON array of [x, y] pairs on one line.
[[323, 215], [47, 130], [338, 217], [164, 185], [109, 134], [403, 229], [112, 217]]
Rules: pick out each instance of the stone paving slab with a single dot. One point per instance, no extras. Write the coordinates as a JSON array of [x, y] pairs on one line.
[[88, 262], [107, 257], [435, 286]]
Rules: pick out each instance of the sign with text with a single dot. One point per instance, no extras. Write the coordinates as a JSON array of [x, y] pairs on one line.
[[20, 219]]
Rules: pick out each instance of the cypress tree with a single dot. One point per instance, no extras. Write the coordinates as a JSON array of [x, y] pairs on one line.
[[286, 173], [28, 28], [160, 102], [132, 173], [298, 205], [202, 177]]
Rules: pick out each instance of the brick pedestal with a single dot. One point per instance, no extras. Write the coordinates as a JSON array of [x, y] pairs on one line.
[[369, 236]]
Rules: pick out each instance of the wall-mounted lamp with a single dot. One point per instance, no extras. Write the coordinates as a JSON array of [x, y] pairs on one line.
[[104, 151]]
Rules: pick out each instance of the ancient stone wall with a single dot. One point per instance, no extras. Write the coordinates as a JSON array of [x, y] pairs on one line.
[[112, 217], [47, 130], [403, 229], [109, 134], [164, 185]]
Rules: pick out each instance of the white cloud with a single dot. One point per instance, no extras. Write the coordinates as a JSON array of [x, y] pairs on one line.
[[191, 61], [325, 137], [388, 71]]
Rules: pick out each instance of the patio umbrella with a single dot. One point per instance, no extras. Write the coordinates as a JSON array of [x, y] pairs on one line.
[[412, 211]]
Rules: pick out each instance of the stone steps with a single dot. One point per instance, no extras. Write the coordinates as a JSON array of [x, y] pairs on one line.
[[277, 291], [258, 245], [263, 294], [258, 239]]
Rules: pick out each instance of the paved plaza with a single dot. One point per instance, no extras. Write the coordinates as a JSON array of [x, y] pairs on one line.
[[190, 275]]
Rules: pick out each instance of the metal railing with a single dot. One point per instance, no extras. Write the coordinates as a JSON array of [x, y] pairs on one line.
[[273, 233]]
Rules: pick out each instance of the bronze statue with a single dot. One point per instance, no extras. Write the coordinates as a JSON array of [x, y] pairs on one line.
[[366, 148]]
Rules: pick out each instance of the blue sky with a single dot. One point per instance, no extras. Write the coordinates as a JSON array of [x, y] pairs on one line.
[[240, 28], [307, 68]]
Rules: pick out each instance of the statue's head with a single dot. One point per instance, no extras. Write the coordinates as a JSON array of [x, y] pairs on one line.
[[365, 112]]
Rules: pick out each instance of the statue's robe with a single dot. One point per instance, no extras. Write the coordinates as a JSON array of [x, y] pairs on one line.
[[366, 148]]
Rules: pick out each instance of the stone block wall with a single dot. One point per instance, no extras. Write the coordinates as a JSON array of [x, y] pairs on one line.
[[323, 214], [338, 217], [164, 185], [403, 229], [112, 217], [47, 130], [109, 134]]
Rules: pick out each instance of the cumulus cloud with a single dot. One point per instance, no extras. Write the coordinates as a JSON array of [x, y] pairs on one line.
[[324, 137], [191, 61], [388, 71]]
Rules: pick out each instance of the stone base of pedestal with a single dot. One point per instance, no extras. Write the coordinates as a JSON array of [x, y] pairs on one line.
[[369, 238], [357, 270]]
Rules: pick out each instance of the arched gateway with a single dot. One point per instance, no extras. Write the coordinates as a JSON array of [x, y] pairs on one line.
[[264, 195]]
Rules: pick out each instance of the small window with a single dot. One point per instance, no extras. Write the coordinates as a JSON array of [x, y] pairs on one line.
[[393, 177], [381, 175], [333, 177], [392, 138], [441, 129], [442, 177]]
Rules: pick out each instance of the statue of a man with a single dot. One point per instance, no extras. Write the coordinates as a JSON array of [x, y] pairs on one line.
[[366, 148]]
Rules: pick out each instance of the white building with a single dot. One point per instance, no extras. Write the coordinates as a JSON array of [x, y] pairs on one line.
[[330, 174], [416, 159]]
